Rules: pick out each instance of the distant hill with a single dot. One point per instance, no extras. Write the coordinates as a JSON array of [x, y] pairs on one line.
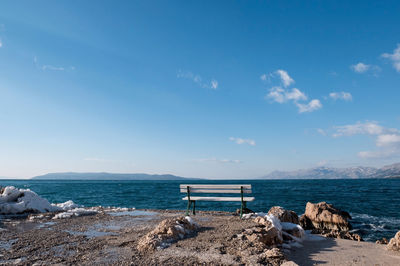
[[107, 176], [389, 171]]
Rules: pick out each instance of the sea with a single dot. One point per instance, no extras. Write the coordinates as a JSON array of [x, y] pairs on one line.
[[374, 204]]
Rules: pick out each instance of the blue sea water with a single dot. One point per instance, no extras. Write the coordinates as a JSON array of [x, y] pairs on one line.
[[374, 204]]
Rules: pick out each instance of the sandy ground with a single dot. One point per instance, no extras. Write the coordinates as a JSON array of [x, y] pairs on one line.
[[343, 252], [111, 239]]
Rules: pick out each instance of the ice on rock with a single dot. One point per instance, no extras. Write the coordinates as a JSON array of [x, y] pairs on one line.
[[14, 201]]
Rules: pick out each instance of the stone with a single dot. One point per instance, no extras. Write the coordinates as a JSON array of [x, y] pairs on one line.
[[338, 234], [283, 215], [326, 217], [382, 241], [306, 223], [263, 221], [166, 232], [394, 243]]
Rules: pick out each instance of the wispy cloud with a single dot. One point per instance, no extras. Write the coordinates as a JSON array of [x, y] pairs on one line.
[[218, 161], [313, 105], [364, 68], [1, 43], [346, 96], [280, 95], [243, 141], [321, 131], [367, 128], [50, 67], [294, 95], [360, 67], [387, 140], [395, 57], [213, 84], [283, 76]]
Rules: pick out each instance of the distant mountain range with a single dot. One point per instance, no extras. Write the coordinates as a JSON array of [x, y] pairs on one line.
[[107, 176], [389, 171]]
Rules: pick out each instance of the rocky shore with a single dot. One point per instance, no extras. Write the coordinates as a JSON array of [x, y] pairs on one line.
[[154, 237], [35, 232]]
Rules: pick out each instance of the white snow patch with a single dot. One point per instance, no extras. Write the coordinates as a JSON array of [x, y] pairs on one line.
[[68, 205], [14, 201], [75, 212]]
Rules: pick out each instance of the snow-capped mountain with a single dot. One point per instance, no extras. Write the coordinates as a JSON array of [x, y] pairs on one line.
[[389, 171]]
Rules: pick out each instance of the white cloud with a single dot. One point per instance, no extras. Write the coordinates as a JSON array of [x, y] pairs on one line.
[[309, 107], [367, 128], [321, 131], [387, 139], [285, 78], [341, 95], [243, 141], [1, 43], [213, 84], [363, 68], [50, 67], [395, 57], [360, 67], [264, 77], [219, 161], [281, 95]]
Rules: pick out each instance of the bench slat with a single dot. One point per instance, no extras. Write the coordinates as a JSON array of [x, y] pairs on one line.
[[237, 191], [219, 198], [215, 186]]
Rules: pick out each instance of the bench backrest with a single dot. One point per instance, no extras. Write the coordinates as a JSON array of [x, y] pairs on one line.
[[199, 188]]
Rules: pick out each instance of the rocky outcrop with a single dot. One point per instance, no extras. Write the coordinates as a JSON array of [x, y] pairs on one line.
[[167, 232], [284, 215], [323, 218], [394, 243]]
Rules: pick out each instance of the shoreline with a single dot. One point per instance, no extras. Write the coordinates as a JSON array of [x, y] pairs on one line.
[[111, 238]]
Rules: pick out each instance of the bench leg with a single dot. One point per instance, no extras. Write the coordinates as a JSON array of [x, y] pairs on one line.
[[242, 207], [194, 207], [188, 207]]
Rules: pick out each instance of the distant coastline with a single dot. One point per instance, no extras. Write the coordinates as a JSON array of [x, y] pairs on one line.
[[108, 176]]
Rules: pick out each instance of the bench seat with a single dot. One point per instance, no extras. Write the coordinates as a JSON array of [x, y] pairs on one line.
[[219, 198]]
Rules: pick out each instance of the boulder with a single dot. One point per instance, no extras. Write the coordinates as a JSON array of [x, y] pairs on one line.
[[267, 234], [394, 243], [284, 215], [325, 216], [166, 232]]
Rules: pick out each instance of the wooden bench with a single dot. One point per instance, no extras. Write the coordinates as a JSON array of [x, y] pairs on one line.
[[231, 189]]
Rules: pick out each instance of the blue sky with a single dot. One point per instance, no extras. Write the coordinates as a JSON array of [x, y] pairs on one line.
[[216, 89]]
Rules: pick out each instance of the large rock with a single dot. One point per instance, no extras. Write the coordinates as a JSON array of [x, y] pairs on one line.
[[325, 216], [167, 232], [394, 243], [284, 215], [266, 233]]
